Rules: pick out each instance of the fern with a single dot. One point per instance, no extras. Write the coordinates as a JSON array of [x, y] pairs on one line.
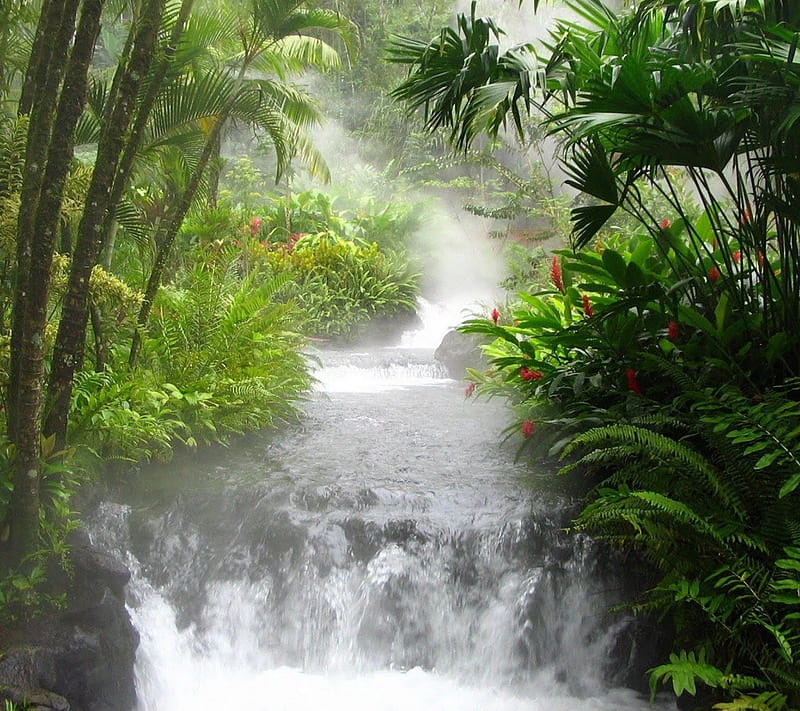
[[661, 450], [765, 701], [684, 670]]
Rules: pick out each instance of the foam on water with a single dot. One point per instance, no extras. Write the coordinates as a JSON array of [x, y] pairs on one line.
[[380, 556], [178, 673]]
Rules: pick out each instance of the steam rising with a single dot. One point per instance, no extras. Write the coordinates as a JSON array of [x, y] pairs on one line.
[[461, 265]]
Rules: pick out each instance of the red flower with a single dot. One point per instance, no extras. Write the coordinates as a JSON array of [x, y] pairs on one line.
[[672, 331], [587, 306], [555, 273], [469, 389], [527, 428], [746, 217], [495, 316], [528, 375], [664, 224], [255, 226], [713, 274], [737, 256], [761, 258], [633, 383]]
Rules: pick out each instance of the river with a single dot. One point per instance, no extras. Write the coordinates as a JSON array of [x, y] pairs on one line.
[[387, 552]]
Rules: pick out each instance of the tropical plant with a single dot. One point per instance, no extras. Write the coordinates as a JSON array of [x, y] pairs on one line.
[[156, 95], [277, 37], [228, 350], [341, 285], [708, 492], [640, 97]]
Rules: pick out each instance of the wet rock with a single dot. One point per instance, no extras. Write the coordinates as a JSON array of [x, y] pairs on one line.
[[34, 699], [330, 547], [385, 330], [459, 351], [83, 654], [364, 538]]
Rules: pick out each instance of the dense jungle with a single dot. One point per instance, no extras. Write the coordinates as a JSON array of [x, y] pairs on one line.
[[392, 354]]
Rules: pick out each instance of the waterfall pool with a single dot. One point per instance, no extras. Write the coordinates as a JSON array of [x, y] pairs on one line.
[[383, 553]]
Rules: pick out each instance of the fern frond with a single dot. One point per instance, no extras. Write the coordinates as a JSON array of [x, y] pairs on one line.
[[662, 450], [765, 701]]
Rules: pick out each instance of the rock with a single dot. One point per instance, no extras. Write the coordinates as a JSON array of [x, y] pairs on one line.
[[100, 567], [34, 698], [83, 654], [459, 351]]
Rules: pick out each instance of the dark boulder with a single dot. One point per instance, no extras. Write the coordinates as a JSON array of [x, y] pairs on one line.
[[82, 654], [459, 351]]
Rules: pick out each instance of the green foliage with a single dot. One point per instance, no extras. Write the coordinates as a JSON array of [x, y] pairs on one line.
[[117, 417], [691, 444], [226, 351], [24, 592], [341, 285], [341, 268]]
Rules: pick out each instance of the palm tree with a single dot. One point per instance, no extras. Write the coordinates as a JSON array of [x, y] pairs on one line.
[[276, 37], [705, 89]]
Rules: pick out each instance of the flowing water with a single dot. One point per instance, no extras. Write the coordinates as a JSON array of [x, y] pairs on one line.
[[386, 553]]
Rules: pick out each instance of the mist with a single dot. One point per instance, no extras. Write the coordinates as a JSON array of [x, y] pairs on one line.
[[461, 264]]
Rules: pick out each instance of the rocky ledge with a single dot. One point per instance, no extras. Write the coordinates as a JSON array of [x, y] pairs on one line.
[[79, 658]]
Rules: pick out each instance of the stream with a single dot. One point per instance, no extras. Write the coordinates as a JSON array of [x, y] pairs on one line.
[[387, 552]]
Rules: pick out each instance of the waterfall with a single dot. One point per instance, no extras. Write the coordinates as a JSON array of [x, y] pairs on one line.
[[381, 554]]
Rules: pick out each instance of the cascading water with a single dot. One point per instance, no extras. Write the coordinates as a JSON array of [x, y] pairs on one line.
[[382, 554]]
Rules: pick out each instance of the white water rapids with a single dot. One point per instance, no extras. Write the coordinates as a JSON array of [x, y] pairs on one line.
[[388, 553]]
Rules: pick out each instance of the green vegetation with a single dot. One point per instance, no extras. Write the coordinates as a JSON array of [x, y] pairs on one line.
[[663, 358], [149, 299]]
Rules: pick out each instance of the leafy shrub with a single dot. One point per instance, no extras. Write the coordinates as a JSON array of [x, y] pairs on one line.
[[652, 384], [340, 285]]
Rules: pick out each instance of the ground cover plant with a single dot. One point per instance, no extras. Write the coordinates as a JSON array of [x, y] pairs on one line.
[[662, 360]]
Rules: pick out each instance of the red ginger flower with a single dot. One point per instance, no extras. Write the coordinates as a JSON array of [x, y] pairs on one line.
[[713, 274], [528, 375], [664, 224], [633, 383], [672, 331], [555, 273], [255, 226], [527, 428], [469, 389], [737, 256], [587, 306], [495, 316]]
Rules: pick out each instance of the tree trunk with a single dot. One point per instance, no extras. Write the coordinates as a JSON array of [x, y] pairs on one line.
[[40, 95], [214, 168], [100, 349], [29, 361], [68, 353], [145, 108], [167, 236]]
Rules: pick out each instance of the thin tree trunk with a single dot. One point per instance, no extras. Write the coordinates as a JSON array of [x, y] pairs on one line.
[[65, 237], [30, 341], [41, 96], [144, 109], [99, 340], [50, 18], [215, 166], [166, 238], [68, 352]]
